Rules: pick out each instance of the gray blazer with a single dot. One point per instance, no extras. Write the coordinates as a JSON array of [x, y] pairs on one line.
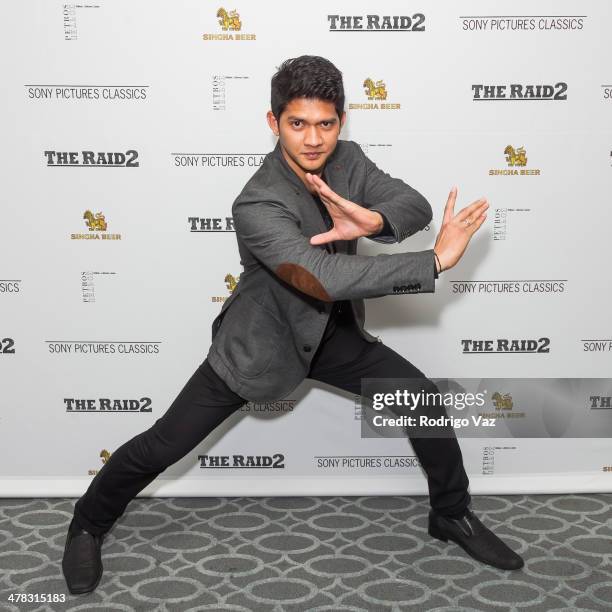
[[270, 327]]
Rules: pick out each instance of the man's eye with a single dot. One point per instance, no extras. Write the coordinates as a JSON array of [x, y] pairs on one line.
[[296, 123]]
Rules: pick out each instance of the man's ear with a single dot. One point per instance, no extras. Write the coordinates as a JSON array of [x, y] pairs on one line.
[[272, 122], [342, 119]]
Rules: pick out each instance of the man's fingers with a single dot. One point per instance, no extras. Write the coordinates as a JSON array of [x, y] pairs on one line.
[[324, 189], [449, 209], [471, 210], [473, 227], [325, 237]]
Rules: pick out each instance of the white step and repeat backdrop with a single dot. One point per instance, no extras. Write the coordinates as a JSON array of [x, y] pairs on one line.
[[128, 128]]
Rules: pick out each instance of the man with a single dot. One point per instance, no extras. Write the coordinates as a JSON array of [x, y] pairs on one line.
[[298, 311]]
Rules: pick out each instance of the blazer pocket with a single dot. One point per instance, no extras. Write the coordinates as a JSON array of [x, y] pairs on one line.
[[251, 337]]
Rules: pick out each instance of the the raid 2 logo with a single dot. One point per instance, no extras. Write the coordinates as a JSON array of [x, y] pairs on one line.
[[211, 224], [276, 461], [105, 404], [600, 402], [7, 345], [376, 23], [91, 159], [519, 92], [503, 345]]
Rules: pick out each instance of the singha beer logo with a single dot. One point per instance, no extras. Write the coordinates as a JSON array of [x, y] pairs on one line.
[[96, 223], [230, 24], [502, 402], [231, 282], [515, 158], [375, 91], [229, 21], [503, 408], [104, 456]]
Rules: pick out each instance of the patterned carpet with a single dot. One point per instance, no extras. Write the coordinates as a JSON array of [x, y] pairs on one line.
[[335, 554]]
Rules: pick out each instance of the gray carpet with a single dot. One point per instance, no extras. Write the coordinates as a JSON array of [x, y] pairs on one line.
[[314, 553]]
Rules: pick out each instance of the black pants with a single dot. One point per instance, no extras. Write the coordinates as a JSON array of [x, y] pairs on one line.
[[205, 401]]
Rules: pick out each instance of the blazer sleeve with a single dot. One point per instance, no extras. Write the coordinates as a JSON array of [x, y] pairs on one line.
[[406, 210], [273, 235]]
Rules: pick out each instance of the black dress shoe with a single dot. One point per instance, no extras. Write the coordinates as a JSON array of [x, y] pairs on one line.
[[82, 562], [477, 541]]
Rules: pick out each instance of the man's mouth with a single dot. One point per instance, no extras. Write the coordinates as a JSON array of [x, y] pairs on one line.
[[312, 155]]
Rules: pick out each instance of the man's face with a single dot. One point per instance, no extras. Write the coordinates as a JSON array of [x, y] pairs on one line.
[[308, 131]]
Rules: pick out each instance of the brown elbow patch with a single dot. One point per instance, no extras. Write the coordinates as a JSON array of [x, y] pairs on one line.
[[303, 280]]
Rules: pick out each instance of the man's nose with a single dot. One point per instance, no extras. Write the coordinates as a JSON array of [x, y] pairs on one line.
[[312, 137]]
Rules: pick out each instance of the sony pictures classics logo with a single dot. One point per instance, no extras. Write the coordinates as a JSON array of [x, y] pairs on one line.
[[230, 24]]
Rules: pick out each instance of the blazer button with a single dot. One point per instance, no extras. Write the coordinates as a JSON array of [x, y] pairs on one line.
[[307, 348]]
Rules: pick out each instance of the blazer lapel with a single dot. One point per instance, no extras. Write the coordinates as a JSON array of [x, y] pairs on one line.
[[338, 183]]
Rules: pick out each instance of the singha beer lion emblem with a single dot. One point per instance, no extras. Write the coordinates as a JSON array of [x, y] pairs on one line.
[[375, 91], [104, 455], [231, 281], [229, 21], [502, 402], [94, 222], [515, 157]]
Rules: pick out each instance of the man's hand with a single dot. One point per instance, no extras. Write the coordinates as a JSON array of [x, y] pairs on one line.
[[457, 230], [350, 220]]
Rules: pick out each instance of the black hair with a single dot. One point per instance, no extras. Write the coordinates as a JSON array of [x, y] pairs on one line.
[[306, 76]]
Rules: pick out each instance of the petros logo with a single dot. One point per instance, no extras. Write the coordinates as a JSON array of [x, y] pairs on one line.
[[376, 92], [97, 226], [105, 404], [516, 159], [231, 282], [505, 345], [230, 25], [275, 461], [104, 457], [376, 23], [516, 91], [503, 405], [211, 224], [92, 159], [89, 280], [501, 224]]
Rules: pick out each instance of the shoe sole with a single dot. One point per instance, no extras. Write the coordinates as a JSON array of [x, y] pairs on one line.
[[434, 533], [83, 591]]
